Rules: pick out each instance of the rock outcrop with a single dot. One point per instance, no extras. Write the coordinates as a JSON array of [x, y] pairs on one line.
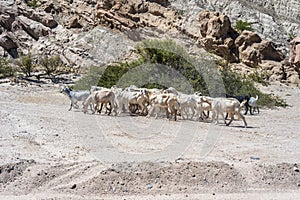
[[252, 49], [130, 14], [273, 20], [91, 32], [8, 43], [294, 60], [20, 24], [295, 53], [218, 36]]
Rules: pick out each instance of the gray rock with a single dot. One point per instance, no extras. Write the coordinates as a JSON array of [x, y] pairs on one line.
[[149, 186], [33, 28]]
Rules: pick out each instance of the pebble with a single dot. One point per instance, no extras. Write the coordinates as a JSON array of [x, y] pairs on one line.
[[254, 158], [296, 169], [73, 186], [149, 186]]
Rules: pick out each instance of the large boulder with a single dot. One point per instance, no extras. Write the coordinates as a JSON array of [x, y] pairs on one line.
[[215, 25], [44, 18], [252, 49], [295, 53], [9, 44], [32, 28], [7, 16], [217, 35]]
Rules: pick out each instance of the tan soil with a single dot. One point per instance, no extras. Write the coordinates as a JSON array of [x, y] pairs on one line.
[[48, 152]]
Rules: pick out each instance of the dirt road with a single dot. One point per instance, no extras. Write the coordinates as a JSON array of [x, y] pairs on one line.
[[48, 152]]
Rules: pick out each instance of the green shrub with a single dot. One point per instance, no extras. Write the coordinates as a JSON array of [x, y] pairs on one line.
[[6, 69], [167, 52], [33, 3], [26, 64], [259, 77], [90, 78], [292, 36], [50, 64], [243, 25], [236, 85], [111, 75], [158, 64]]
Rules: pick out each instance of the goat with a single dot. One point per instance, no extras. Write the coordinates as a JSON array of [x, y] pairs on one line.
[[99, 98], [241, 98], [169, 102], [171, 90], [75, 96], [204, 106], [133, 101], [253, 104], [187, 103], [226, 105], [97, 88]]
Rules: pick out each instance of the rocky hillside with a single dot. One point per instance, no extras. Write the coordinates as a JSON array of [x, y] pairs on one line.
[[91, 32], [273, 20]]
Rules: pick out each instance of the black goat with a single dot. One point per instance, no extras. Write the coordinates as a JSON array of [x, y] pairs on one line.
[[241, 98]]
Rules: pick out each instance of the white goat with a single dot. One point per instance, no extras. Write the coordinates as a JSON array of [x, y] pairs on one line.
[[169, 102], [226, 105], [100, 98], [204, 106], [96, 88], [188, 102], [133, 101], [253, 104], [171, 90], [75, 96]]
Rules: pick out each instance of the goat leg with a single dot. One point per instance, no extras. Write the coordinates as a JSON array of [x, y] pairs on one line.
[[175, 113], [71, 106], [246, 107], [109, 110], [226, 116], [251, 110], [99, 111], [231, 119], [167, 112]]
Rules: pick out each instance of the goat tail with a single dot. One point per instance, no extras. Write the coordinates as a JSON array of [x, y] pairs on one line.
[[256, 97]]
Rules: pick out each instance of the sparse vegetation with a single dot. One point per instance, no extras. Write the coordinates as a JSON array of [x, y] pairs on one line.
[[6, 69], [235, 84], [162, 53], [168, 53], [181, 12], [91, 78], [26, 64], [292, 35], [50, 64], [243, 25], [32, 3], [259, 77]]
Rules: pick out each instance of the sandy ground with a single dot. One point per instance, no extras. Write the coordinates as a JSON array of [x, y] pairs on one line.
[[48, 152]]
